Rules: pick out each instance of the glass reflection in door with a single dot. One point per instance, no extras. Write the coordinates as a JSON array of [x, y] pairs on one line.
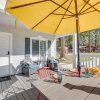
[[42, 50], [35, 49]]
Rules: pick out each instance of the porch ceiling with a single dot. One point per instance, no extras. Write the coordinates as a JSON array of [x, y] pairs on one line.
[[8, 20]]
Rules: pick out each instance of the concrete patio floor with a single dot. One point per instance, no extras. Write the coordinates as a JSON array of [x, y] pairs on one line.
[[19, 88]]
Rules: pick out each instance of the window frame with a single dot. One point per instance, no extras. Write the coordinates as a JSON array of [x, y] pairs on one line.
[[39, 39]]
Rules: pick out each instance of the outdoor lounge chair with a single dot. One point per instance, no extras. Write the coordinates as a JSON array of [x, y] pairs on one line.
[[29, 67]]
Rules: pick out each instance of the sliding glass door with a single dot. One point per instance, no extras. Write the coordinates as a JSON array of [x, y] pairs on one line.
[[39, 49]]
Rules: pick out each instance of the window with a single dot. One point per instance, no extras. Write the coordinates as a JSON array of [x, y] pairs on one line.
[[39, 49], [35, 47], [42, 49]]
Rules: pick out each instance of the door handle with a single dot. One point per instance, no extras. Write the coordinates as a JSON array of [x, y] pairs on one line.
[[8, 53]]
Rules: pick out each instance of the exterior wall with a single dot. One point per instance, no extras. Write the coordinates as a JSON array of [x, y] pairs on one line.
[[18, 44], [74, 50]]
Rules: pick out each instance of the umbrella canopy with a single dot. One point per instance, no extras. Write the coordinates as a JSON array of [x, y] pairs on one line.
[[56, 16]]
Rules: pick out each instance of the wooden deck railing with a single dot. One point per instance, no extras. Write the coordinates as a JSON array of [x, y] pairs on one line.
[[90, 60]]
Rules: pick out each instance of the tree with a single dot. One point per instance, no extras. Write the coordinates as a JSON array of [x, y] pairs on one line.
[[62, 50], [89, 38]]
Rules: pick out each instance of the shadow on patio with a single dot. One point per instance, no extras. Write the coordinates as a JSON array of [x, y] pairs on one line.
[[88, 89]]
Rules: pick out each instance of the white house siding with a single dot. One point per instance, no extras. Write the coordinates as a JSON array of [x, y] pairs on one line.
[[18, 44]]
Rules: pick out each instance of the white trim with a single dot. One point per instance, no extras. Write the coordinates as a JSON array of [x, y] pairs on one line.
[[46, 49], [39, 50], [62, 35], [38, 38], [31, 48]]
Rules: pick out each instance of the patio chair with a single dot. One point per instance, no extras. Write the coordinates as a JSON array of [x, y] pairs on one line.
[[29, 68], [43, 73]]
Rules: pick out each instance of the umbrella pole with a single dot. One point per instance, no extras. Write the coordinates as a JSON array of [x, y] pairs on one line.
[[78, 56], [77, 31]]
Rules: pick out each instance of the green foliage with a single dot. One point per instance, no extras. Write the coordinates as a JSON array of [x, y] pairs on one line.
[[68, 40], [91, 37]]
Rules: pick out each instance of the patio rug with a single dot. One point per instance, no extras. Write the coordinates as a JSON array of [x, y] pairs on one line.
[[6, 78]]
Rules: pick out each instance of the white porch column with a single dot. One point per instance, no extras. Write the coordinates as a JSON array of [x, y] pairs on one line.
[[53, 49], [74, 50]]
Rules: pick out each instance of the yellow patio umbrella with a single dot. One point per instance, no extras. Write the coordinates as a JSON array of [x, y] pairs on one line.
[[57, 16]]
